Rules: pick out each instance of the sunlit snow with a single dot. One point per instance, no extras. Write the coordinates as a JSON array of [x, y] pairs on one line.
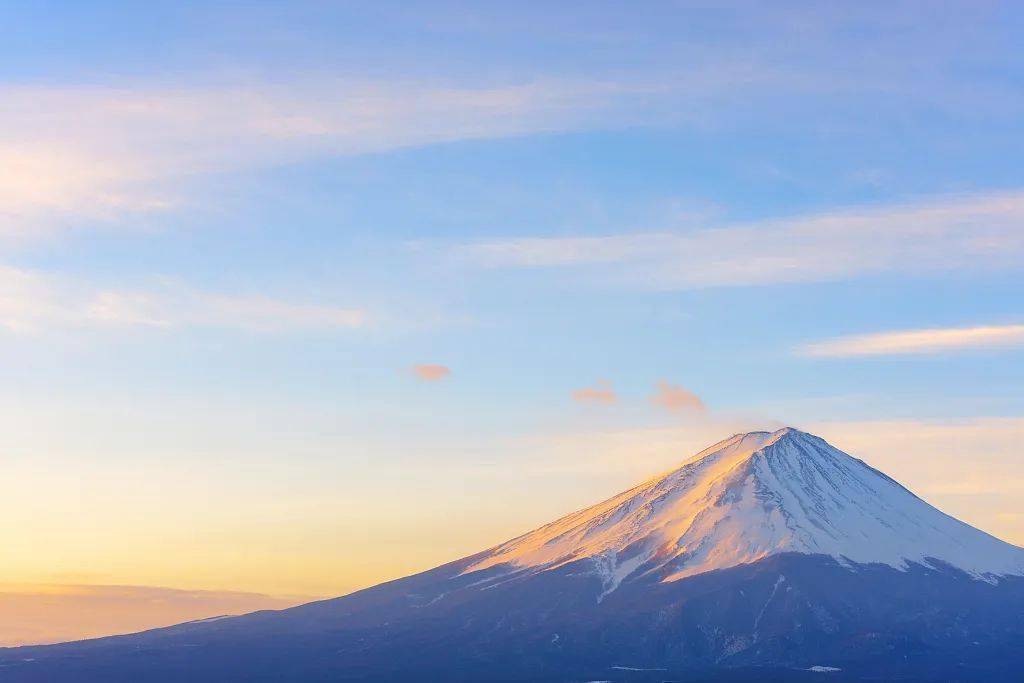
[[752, 496]]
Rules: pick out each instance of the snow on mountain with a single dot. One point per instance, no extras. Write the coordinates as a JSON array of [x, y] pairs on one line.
[[752, 496]]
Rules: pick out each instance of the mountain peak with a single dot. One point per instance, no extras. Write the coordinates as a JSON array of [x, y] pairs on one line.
[[769, 437], [751, 496], [754, 440], [787, 432]]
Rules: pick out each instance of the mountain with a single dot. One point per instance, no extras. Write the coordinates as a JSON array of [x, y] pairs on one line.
[[752, 496], [768, 556]]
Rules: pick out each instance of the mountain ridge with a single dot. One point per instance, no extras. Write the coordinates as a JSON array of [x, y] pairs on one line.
[[753, 495]]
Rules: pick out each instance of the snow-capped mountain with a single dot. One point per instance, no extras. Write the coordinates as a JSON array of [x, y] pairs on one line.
[[766, 557], [755, 495]]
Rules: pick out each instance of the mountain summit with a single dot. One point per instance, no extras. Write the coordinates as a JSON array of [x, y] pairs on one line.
[[770, 556], [755, 495]]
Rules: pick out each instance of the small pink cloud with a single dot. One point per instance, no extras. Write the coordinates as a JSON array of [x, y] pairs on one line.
[[431, 373], [601, 392], [677, 399]]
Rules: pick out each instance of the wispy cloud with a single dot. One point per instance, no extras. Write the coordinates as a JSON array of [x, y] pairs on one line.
[[429, 372], [32, 302], [918, 342], [92, 152], [677, 399], [95, 152], [947, 233], [602, 392]]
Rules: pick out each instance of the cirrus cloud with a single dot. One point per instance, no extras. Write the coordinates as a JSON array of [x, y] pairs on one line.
[[75, 154], [963, 232], [35, 302], [918, 342]]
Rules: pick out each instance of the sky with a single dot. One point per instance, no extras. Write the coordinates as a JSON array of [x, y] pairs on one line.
[[297, 298]]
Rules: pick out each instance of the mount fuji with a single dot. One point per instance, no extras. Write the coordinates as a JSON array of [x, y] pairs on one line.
[[768, 556]]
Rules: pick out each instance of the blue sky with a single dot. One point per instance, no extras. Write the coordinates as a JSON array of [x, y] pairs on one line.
[[230, 232]]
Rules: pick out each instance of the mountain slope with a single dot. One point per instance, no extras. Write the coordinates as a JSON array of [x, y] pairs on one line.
[[747, 563], [755, 495]]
